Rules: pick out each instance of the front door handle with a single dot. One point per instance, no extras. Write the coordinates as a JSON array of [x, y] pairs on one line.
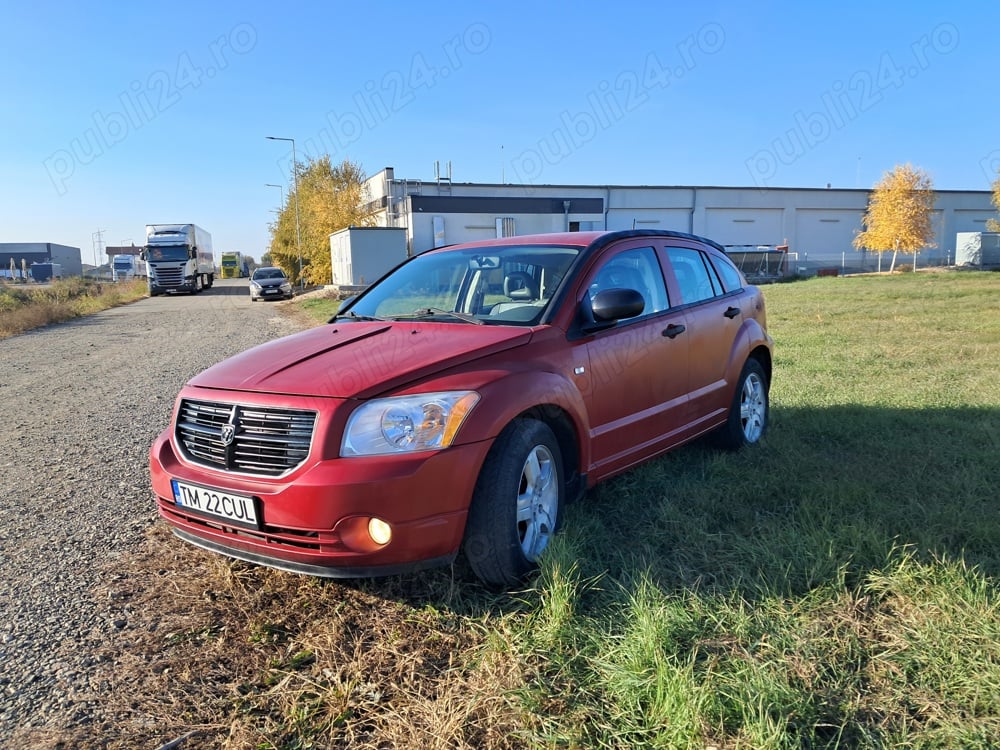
[[673, 330], [732, 312]]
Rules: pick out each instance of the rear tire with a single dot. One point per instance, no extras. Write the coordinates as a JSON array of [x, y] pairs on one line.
[[750, 410], [516, 504]]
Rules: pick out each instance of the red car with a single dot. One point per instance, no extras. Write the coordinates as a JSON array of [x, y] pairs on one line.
[[462, 400]]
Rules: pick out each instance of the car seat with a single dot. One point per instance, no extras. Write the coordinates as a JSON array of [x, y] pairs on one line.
[[520, 286], [522, 289]]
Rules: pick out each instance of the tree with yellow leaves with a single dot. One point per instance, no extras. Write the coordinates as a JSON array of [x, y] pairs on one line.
[[992, 225], [899, 215], [330, 199]]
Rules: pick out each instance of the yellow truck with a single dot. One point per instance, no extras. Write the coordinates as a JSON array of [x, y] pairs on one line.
[[234, 265]]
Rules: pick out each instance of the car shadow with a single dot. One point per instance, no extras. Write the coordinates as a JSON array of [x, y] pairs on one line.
[[829, 496]]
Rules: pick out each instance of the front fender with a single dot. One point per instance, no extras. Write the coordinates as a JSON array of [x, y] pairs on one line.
[[506, 395]]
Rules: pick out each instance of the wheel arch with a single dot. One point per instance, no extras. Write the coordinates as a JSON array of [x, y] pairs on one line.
[[565, 430], [763, 355], [547, 397]]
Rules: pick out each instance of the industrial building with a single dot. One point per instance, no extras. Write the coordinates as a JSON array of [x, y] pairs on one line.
[[815, 225], [26, 253]]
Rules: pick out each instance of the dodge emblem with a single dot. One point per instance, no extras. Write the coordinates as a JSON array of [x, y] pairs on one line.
[[228, 433]]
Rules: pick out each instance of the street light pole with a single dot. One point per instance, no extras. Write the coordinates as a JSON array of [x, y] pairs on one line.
[[281, 188], [295, 179]]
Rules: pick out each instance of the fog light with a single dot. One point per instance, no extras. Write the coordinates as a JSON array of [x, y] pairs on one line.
[[379, 531]]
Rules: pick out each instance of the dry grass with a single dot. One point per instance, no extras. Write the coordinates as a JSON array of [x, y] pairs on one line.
[[25, 307], [248, 657]]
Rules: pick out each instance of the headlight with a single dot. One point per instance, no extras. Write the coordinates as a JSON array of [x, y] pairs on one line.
[[427, 421], [255, 285]]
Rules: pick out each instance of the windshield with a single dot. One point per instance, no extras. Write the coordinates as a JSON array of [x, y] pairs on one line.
[[166, 252], [507, 284], [268, 273]]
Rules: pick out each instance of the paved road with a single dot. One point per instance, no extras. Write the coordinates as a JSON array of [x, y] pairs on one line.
[[80, 403]]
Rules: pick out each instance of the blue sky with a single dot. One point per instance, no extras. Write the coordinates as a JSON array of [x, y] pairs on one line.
[[115, 116]]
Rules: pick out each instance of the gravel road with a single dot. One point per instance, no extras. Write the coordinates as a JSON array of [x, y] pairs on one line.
[[80, 404]]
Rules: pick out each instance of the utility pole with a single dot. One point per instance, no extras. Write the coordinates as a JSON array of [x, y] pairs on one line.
[[98, 240]]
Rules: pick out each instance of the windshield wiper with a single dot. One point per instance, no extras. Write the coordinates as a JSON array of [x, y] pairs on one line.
[[351, 315], [432, 311]]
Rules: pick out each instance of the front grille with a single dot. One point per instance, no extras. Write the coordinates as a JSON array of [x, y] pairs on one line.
[[170, 277], [263, 440]]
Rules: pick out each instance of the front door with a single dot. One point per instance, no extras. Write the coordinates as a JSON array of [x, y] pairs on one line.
[[637, 392]]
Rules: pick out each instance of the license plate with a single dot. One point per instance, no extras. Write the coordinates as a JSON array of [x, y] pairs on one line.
[[219, 503], [270, 291]]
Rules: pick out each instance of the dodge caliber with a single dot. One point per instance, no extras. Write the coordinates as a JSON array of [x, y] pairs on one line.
[[457, 405]]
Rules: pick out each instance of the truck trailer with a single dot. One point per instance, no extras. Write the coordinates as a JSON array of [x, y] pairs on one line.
[[234, 265], [178, 258]]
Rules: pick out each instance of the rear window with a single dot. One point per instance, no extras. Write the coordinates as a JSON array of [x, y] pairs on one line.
[[732, 279]]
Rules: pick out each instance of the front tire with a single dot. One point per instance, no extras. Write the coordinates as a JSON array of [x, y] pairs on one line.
[[750, 410], [516, 504]]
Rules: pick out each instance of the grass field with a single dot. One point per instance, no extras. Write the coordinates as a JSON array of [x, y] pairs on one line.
[[834, 587]]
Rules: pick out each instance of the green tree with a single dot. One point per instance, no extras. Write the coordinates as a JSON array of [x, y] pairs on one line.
[[992, 225], [899, 214], [330, 198]]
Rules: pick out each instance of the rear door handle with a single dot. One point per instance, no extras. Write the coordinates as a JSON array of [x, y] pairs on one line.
[[732, 312], [673, 330]]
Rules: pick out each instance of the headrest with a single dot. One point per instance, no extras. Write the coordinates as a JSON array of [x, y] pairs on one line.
[[520, 286]]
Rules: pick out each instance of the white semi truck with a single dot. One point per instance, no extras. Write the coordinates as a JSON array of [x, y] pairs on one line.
[[178, 258], [127, 267]]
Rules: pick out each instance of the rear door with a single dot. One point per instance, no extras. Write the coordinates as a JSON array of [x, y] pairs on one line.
[[714, 323]]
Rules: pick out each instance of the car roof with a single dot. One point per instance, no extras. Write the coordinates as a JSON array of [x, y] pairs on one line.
[[585, 239]]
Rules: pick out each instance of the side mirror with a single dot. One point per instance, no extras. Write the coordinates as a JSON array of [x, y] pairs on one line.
[[607, 308], [610, 305]]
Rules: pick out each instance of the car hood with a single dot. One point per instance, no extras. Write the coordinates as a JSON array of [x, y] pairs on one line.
[[358, 360], [269, 282]]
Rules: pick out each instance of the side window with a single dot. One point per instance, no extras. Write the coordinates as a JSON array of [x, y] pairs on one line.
[[695, 277], [713, 275], [732, 279], [636, 269]]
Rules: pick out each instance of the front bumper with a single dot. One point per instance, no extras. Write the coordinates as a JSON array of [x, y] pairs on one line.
[[271, 293], [184, 286], [314, 520]]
